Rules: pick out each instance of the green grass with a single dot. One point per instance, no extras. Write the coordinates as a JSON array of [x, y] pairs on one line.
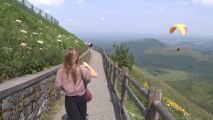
[[172, 75], [195, 112], [196, 89], [28, 42]]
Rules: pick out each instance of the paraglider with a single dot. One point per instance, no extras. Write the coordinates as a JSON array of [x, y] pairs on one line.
[[181, 27]]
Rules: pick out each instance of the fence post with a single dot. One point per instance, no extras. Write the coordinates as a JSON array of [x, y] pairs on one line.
[[32, 7], [51, 19], [46, 15], [123, 89], [108, 67], [39, 12], [23, 2], [154, 94], [111, 70], [114, 78]]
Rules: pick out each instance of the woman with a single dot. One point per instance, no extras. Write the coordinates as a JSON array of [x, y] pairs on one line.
[[70, 78]]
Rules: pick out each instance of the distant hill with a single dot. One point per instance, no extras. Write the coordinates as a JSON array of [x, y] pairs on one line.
[[140, 46]]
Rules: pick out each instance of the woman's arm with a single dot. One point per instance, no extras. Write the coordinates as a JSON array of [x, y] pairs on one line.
[[93, 72], [58, 81]]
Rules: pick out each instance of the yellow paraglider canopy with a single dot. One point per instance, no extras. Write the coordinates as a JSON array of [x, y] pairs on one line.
[[181, 27]]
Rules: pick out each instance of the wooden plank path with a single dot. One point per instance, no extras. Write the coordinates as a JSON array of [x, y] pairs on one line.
[[103, 106]]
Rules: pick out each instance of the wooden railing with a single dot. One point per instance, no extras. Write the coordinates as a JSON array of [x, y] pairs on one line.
[[154, 107], [39, 11]]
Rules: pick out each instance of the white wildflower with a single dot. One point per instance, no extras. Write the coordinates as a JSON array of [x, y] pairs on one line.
[[7, 4], [40, 48], [59, 40], [34, 33], [8, 49], [132, 114], [59, 36], [168, 104], [23, 44], [76, 41], [23, 31], [39, 41], [19, 21]]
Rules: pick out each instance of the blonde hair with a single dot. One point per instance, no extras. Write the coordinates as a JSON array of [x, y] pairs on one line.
[[71, 62]]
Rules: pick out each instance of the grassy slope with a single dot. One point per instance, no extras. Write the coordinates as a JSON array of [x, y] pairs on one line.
[[195, 112], [196, 90], [173, 75], [17, 59]]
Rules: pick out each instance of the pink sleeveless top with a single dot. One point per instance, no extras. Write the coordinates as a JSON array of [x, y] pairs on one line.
[[66, 83]]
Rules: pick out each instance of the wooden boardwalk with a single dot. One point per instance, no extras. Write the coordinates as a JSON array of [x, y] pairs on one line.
[[103, 106]]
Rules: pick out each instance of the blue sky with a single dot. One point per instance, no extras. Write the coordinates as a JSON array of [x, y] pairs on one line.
[[131, 16]]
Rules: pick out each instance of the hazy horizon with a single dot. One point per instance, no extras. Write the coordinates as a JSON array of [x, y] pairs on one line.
[[137, 36]]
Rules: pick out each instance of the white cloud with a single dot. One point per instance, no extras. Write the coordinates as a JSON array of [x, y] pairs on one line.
[[137, 25], [69, 20], [198, 25], [204, 2], [47, 10], [80, 1], [112, 12], [162, 10], [103, 19], [47, 2]]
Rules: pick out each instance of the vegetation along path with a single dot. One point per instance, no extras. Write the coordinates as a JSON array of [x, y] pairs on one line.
[[102, 106]]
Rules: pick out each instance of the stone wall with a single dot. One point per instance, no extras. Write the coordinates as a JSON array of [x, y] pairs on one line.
[[28, 100]]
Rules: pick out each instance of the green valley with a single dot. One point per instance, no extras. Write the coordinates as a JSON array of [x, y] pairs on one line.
[[186, 70]]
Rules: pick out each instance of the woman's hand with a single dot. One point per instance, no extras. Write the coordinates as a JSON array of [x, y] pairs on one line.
[[85, 64], [93, 72]]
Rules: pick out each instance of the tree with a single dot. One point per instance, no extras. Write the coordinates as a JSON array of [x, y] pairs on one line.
[[122, 56]]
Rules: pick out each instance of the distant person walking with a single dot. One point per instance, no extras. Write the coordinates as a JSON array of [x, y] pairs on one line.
[[90, 44], [70, 78]]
